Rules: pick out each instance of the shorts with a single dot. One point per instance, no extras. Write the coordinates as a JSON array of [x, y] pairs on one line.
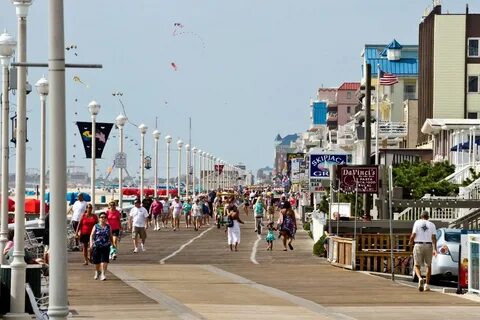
[[176, 215], [139, 231], [84, 238], [101, 255], [422, 254], [75, 225], [116, 233]]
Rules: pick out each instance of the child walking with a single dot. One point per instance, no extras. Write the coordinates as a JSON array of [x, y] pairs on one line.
[[270, 236]]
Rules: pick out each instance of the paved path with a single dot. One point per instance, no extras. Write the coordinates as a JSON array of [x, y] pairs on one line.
[[193, 275]]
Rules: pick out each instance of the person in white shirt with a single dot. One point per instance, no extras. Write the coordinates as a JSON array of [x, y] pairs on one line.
[[78, 209], [137, 222], [424, 238], [197, 212], [166, 211], [176, 211]]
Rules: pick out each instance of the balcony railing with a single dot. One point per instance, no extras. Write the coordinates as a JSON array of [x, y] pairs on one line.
[[392, 129]]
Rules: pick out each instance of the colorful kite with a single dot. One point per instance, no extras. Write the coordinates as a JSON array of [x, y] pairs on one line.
[[174, 66], [176, 32], [77, 79], [72, 47]]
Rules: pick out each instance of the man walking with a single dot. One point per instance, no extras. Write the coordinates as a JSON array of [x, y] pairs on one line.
[[424, 237], [137, 222], [77, 209]]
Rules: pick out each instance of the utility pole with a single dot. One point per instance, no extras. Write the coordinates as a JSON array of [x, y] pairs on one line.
[[368, 132]]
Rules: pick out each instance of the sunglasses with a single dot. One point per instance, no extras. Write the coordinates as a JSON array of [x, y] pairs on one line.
[[102, 217]]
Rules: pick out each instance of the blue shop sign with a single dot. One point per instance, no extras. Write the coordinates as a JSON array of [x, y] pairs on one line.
[[320, 164]]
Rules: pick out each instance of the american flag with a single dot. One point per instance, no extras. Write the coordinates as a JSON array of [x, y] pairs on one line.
[[387, 79]]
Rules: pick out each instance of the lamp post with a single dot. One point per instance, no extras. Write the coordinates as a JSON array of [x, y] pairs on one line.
[[156, 137], [7, 47], [94, 109], [18, 266], [187, 170], [120, 122], [194, 151], [42, 89], [143, 130], [179, 145], [168, 139], [200, 170]]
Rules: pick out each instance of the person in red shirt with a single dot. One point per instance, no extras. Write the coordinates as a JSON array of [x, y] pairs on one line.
[[114, 218], [84, 229]]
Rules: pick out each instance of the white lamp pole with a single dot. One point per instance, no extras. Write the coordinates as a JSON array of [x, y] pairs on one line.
[[18, 266], [208, 166], [168, 139], [94, 109], [7, 47], [156, 137], [200, 169], [42, 89], [143, 130], [179, 145], [120, 121], [187, 170], [194, 151]]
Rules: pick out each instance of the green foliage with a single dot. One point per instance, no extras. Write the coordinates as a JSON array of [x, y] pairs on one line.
[[474, 176], [318, 248], [419, 178], [306, 226]]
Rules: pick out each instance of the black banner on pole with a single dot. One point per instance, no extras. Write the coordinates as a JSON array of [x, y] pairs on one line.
[[102, 131]]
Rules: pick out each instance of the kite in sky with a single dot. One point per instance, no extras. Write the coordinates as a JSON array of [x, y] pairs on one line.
[[72, 47], [174, 66], [176, 32], [77, 79]]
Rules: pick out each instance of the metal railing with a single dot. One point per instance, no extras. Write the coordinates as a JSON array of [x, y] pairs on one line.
[[392, 129]]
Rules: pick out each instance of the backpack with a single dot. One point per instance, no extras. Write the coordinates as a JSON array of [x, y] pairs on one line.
[[205, 209]]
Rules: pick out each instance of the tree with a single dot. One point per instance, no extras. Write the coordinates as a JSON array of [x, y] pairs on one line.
[[419, 178]]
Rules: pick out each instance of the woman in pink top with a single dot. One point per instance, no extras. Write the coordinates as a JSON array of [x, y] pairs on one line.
[[114, 220]]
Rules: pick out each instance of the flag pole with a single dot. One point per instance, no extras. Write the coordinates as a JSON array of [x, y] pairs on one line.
[[377, 158]]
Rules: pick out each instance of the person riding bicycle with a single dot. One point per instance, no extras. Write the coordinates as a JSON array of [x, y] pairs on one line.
[[258, 210]]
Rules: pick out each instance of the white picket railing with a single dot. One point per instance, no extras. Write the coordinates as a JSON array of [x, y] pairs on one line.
[[459, 176], [443, 214]]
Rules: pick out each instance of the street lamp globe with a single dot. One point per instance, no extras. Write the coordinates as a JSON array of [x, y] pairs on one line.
[[22, 7], [156, 134], [42, 87], [120, 120], [93, 108], [187, 147], [7, 45], [168, 139], [143, 128], [179, 144]]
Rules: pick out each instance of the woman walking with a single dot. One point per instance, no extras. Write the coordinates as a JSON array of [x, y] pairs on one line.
[[114, 220], [187, 212], [233, 227], [100, 241], [84, 229], [197, 212], [287, 225]]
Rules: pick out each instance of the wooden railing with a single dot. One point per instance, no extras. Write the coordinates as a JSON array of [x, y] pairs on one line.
[[372, 253]]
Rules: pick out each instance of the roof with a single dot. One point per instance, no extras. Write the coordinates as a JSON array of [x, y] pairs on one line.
[[434, 125], [288, 139], [407, 65], [278, 138], [392, 45], [350, 86]]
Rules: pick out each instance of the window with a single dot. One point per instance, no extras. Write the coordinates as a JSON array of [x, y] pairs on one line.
[[472, 83], [349, 95], [349, 109], [472, 115], [473, 47], [409, 92]]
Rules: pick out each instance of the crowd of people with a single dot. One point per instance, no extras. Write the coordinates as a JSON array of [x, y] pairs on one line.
[[99, 235]]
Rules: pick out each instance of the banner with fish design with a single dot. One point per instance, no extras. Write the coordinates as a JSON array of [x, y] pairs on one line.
[[102, 130]]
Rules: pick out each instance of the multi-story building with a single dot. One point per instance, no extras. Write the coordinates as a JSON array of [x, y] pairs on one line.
[[282, 147], [449, 74]]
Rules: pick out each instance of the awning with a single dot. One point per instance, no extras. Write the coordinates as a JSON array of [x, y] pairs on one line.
[[464, 146]]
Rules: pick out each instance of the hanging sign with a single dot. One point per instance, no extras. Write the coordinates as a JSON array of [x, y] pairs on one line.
[[362, 178], [320, 164]]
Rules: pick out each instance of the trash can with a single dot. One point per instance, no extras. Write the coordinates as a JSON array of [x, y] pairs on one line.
[[103, 199], [33, 277]]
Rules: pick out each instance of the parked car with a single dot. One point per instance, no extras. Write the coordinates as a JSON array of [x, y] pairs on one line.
[[445, 263]]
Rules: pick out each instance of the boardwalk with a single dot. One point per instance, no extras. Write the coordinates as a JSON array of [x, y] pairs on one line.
[[193, 275]]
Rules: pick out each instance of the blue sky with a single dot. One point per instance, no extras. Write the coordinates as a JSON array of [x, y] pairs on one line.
[[246, 69]]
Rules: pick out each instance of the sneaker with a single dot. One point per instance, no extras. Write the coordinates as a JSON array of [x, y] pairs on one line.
[[135, 250], [143, 247], [426, 287], [102, 277], [421, 284], [95, 277]]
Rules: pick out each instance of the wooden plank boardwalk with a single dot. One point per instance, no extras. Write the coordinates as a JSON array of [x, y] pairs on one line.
[[193, 275]]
